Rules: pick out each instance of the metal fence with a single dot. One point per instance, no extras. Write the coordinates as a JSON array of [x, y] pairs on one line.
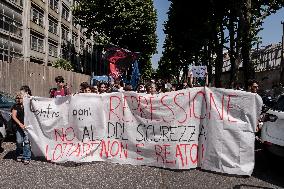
[[38, 77]]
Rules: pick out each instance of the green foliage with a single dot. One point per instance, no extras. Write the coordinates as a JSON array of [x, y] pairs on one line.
[[63, 64], [147, 70], [129, 24], [196, 32]]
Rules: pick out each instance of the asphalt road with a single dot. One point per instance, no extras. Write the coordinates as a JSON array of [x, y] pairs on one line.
[[39, 174]]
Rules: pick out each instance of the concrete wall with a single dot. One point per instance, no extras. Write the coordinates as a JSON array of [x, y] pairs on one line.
[[38, 77]]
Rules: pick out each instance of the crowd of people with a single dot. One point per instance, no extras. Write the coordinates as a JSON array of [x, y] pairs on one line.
[[23, 150], [151, 87]]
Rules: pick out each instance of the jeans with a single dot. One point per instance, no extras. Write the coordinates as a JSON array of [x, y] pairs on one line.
[[23, 144]]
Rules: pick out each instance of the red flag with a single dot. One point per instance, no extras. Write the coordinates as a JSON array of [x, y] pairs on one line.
[[119, 60]]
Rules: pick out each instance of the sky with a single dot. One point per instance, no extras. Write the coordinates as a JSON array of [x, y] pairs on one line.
[[271, 33], [162, 7]]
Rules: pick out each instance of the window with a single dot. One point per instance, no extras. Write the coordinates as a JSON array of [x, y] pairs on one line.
[[65, 12], [53, 4], [36, 43], [52, 51], [65, 33], [74, 22], [75, 39], [53, 26], [37, 16]]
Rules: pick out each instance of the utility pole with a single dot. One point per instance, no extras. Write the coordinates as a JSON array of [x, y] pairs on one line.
[[282, 56]]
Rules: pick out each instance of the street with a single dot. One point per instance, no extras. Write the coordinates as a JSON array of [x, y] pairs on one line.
[[40, 174]]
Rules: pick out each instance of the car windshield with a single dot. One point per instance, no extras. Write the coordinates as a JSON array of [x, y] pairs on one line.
[[280, 104], [6, 102]]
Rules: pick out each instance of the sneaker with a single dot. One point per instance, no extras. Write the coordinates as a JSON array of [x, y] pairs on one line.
[[19, 158], [26, 162]]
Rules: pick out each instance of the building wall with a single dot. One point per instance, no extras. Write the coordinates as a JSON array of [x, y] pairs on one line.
[[267, 62], [11, 29], [36, 29]]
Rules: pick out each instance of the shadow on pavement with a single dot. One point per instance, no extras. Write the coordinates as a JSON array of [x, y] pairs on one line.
[[240, 186], [65, 164], [223, 174], [269, 168], [10, 155]]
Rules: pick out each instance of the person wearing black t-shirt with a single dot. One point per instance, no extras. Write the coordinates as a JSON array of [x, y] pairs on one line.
[[22, 141]]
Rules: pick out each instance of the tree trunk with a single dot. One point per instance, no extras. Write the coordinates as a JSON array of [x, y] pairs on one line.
[[248, 68], [219, 53], [232, 52]]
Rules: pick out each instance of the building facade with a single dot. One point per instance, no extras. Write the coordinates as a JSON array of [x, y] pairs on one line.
[[39, 30], [267, 62]]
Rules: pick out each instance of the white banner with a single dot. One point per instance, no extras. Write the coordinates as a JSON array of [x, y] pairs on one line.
[[274, 131], [199, 127]]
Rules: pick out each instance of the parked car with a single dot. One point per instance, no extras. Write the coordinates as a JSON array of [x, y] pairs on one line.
[[5, 109], [272, 132]]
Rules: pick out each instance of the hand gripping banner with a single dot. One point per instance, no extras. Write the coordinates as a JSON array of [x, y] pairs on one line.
[[202, 127]]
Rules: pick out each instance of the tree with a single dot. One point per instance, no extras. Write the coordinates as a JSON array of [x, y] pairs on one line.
[[129, 24], [69, 54], [203, 35], [63, 64]]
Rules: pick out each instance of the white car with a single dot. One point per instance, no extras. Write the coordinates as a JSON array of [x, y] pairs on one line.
[[272, 132]]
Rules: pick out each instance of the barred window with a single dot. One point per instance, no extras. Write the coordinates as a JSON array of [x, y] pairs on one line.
[[36, 44], [65, 12], [65, 33], [37, 16], [53, 26], [52, 50], [53, 4]]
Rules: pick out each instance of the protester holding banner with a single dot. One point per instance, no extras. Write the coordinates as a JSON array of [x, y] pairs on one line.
[[210, 128], [83, 86], [102, 88], [253, 86], [88, 89], [128, 87], [151, 88], [25, 90], [95, 89], [23, 151], [62, 89], [185, 85], [141, 88]]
